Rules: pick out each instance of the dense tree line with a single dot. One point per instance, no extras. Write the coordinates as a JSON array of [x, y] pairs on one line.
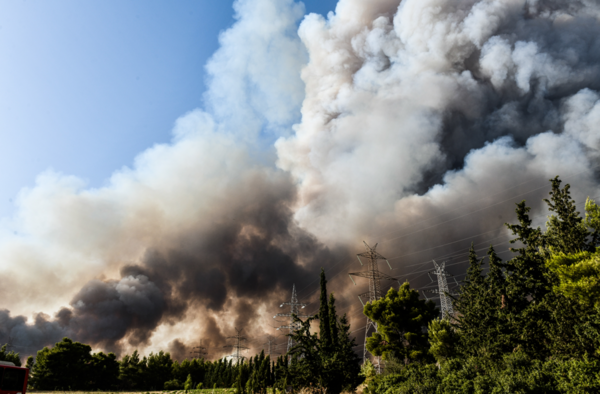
[[71, 366], [530, 325], [325, 362]]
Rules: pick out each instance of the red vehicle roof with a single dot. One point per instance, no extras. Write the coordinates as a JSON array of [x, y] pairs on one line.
[[13, 379]]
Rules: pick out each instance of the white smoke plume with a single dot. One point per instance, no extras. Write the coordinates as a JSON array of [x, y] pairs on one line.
[[414, 123], [403, 96]]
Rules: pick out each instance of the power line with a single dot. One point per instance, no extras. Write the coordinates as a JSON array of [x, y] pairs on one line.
[[237, 347], [372, 273], [471, 203], [294, 311], [199, 351]]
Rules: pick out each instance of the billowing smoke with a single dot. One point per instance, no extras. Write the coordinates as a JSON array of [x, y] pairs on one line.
[[404, 96], [416, 124]]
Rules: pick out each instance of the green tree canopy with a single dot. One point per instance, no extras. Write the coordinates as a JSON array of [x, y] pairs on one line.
[[63, 367], [566, 231], [402, 319], [9, 356], [132, 371], [442, 339]]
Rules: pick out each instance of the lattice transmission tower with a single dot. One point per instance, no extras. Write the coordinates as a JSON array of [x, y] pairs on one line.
[[270, 346], [295, 307], [199, 351], [443, 290], [372, 273], [237, 347]]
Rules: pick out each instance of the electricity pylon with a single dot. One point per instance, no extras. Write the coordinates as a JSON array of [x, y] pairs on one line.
[[199, 351], [294, 310], [237, 347], [269, 342], [372, 273], [443, 290]]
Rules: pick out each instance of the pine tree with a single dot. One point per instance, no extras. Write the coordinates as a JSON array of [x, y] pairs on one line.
[[592, 220], [402, 320], [469, 306], [497, 303], [443, 340], [527, 284], [480, 309], [566, 231]]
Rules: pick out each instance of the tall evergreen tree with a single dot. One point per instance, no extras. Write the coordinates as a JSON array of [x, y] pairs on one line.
[[527, 285], [316, 361], [499, 330], [566, 231], [480, 315], [349, 361], [324, 323], [333, 323], [470, 307]]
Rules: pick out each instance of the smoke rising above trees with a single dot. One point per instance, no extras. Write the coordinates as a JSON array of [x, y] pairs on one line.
[[359, 126]]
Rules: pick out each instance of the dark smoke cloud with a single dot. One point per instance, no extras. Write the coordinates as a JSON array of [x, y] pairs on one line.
[[254, 255], [423, 122]]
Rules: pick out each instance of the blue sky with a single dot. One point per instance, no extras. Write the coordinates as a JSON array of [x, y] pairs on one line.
[[85, 86]]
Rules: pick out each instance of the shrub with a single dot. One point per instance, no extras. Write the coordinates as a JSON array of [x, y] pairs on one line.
[[173, 385]]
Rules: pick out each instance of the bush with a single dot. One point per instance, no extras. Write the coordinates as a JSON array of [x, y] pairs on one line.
[[173, 385], [514, 373]]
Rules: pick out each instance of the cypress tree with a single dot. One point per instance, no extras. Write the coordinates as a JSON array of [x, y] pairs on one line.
[[324, 324], [315, 361], [349, 366], [333, 323]]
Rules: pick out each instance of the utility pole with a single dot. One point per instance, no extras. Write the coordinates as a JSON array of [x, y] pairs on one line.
[[270, 340], [199, 351], [294, 310], [443, 290], [375, 293], [237, 347]]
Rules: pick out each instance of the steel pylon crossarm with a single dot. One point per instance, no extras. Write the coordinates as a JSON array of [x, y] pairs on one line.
[[238, 347], [295, 307], [375, 293]]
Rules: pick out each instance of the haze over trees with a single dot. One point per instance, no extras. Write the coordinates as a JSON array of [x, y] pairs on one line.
[[529, 324]]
